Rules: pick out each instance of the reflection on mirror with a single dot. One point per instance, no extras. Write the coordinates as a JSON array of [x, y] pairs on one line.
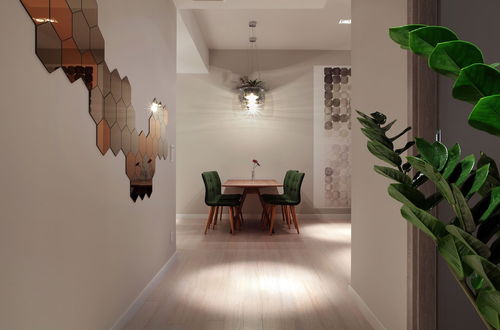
[[68, 37]]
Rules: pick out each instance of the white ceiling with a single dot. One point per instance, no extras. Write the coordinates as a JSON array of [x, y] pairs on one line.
[[282, 24]]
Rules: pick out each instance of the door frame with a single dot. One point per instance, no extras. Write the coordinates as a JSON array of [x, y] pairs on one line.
[[423, 116]]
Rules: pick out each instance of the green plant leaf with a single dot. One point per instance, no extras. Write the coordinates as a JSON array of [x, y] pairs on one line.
[[495, 65], [424, 221], [368, 123], [490, 298], [472, 243], [393, 174], [479, 179], [433, 200], [407, 146], [383, 153], [494, 202], [400, 134], [400, 34], [483, 160], [449, 57], [448, 250], [432, 174], [453, 158], [486, 114], [388, 126], [375, 135], [490, 315], [436, 153], [407, 195], [422, 41], [379, 117], [465, 167], [487, 270], [477, 281], [462, 210], [475, 82]]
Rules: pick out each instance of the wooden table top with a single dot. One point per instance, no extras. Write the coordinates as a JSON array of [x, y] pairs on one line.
[[252, 184]]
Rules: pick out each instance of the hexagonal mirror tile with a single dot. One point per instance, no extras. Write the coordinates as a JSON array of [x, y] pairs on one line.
[[81, 32], [116, 139], [104, 78], [75, 5], [130, 117], [110, 110], [121, 114], [116, 85], [48, 46], [126, 141], [126, 91], [96, 105], [134, 141], [61, 15], [103, 137], [70, 54], [97, 44], [37, 9], [89, 8]]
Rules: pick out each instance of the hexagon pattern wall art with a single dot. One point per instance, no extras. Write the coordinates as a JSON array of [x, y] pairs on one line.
[[332, 137], [67, 37]]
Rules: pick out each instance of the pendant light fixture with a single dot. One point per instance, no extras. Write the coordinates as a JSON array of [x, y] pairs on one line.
[[251, 91]]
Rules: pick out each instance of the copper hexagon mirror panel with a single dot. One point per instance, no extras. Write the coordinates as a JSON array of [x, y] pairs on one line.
[[68, 37]]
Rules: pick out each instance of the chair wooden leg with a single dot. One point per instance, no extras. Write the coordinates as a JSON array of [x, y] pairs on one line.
[[283, 218], [210, 217], [273, 215], [231, 219], [215, 217], [294, 217], [221, 211], [288, 216]]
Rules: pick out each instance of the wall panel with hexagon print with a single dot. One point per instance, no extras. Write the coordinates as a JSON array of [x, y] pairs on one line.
[[68, 38], [332, 137]]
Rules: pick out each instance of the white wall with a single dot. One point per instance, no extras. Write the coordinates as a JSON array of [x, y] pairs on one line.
[[214, 134], [74, 249], [378, 270]]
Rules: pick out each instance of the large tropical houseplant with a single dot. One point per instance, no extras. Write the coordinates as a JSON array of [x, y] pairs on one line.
[[470, 241]]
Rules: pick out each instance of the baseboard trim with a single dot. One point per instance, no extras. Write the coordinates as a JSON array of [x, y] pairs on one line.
[[366, 311], [329, 216], [134, 307]]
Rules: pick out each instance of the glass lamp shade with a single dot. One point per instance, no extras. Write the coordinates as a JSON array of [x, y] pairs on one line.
[[252, 98]]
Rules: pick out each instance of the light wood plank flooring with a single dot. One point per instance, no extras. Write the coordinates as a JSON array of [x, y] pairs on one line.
[[255, 281]]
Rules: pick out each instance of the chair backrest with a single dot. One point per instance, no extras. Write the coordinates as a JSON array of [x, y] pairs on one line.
[[287, 181], [295, 186], [218, 182], [212, 189]]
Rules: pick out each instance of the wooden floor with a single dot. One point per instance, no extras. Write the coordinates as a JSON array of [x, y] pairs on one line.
[[255, 281]]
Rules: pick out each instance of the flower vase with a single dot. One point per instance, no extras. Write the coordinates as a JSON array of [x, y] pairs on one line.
[[253, 174]]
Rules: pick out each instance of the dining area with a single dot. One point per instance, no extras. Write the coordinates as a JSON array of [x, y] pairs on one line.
[[218, 201]]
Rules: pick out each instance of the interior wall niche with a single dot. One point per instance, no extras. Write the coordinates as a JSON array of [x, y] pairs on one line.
[[68, 37], [332, 137]]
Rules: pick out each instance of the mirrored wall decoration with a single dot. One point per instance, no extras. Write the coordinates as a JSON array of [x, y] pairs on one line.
[[68, 37], [332, 137]]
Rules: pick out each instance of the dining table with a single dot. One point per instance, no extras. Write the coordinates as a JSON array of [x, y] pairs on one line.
[[251, 187]]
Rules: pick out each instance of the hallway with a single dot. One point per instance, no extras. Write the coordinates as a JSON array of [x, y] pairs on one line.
[[255, 281]]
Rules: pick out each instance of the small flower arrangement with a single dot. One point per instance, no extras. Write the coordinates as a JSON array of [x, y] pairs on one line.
[[255, 163]]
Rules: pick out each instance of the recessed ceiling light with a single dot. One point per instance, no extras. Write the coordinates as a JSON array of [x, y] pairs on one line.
[[345, 21]]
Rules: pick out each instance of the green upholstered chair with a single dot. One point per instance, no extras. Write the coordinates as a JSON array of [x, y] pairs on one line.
[[286, 188], [215, 199], [288, 200]]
